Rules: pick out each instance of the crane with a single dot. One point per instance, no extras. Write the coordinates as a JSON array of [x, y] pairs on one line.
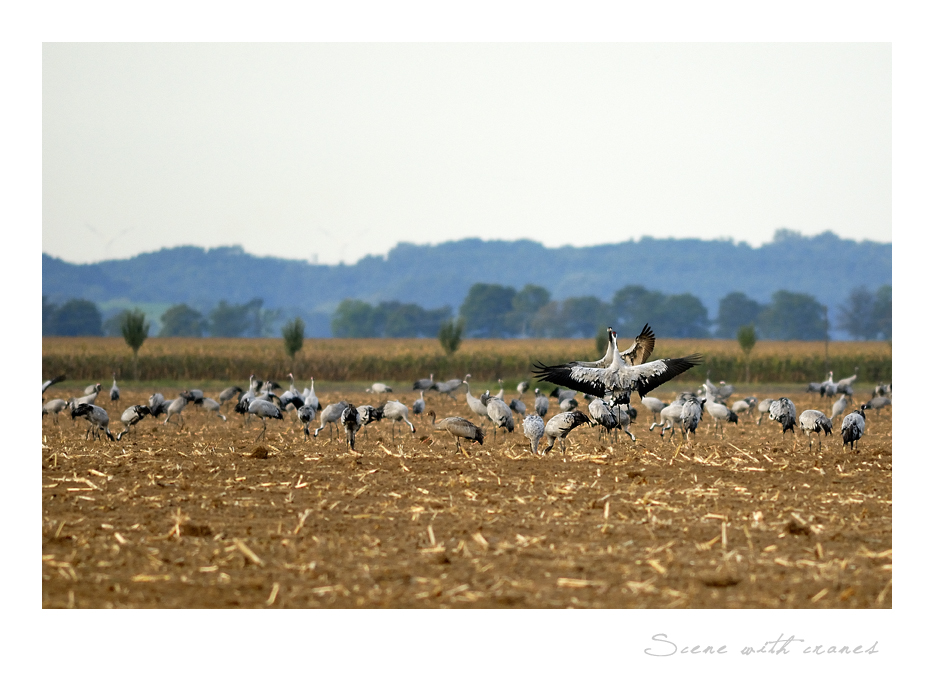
[[533, 428], [617, 380], [397, 412], [330, 414], [54, 407], [379, 388], [132, 416], [350, 419], [783, 411], [717, 410], [458, 428], [264, 409], [475, 404], [96, 416], [815, 421], [690, 416], [114, 390], [852, 427], [500, 415], [424, 384], [418, 406], [542, 404], [559, 427], [48, 383]]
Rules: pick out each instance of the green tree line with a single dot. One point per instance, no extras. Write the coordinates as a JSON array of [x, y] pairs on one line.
[[493, 310]]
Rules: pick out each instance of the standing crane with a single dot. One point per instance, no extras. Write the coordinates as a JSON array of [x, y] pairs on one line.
[[542, 404], [114, 390], [350, 419], [132, 416], [717, 410], [814, 421], [533, 428], [54, 407], [783, 411], [852, 427], [418, 406], [458, 428], [839, 406], [330, 414], [397, 412], [690, 416], [424, 384], [264, 409], [475, 404], [96, 416], [499, 413], [559, 427]]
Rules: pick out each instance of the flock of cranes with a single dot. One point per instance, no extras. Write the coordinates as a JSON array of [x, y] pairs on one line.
[[607, 384]]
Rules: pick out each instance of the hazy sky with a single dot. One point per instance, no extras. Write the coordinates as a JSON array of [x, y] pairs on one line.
[[340, 150]]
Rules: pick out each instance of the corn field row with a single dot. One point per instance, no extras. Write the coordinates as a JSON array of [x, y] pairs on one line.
[[94, 359]]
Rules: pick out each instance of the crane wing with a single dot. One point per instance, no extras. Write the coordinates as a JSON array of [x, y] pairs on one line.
[[642, 347], [651, 375], [589, 380]]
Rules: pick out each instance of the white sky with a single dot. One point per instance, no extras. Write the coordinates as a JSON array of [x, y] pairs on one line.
[[337, 150]]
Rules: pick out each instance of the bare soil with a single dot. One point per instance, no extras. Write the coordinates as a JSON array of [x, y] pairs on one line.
[[203, 516]]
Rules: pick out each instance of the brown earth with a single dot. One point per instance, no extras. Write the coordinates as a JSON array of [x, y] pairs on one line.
[[202, 516]]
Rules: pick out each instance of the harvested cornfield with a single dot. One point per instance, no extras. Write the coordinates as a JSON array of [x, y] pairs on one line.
[[94, 359], [202, 515]]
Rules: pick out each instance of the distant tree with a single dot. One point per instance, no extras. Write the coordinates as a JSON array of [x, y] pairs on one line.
[[182, 321], [135, 329], [234, 321], [548, 321], [735, 310], [581, 316], [856, 315], [746, 338], [76, 317], [293, 335], [486, 310], [48, 315], [681, 316], [398, 320], [113, 325], [529, 300], [633, 306], [353, 319], [883, 312], [792, 316], [450, 334]]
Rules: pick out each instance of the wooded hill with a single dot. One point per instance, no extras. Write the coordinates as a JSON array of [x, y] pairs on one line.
[[825, 266]]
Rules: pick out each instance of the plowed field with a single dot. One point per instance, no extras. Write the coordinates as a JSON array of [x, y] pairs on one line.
[[203, 516]]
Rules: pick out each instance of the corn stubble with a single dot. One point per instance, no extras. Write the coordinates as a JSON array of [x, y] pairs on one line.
[[196, 517]]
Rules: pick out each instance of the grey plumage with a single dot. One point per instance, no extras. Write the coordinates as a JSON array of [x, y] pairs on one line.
[[618, 379], [230, 393], [654, 405], [542, 404], [397, 412], [718, 412], [330, 414], [518, 407], [814, 421], [475, 404], [763, 409], [782, 410], [458, 428], [264, 409], [211, 406], [131, 417], [533, 428], [418, 406], [878, 402], [96, 417], [500, 415], [852, 427], [424, 383], [559, 426], [48, 383], [839, 406], [351, 421], [114, 390], [54, 407], [691, 415]]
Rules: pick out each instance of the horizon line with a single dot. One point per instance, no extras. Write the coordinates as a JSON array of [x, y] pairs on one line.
[[780, 234]]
